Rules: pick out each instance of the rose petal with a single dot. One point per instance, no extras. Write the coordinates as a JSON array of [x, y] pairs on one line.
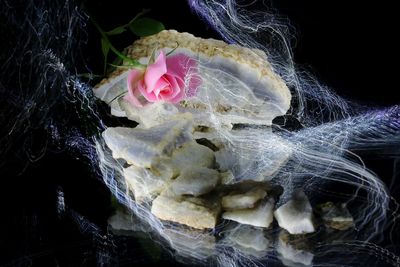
[[150, 96], [174, 85], [160, 85], [154, 72], [178, 97], [194, 84], [178, 65], [184, 69], [132, 81]]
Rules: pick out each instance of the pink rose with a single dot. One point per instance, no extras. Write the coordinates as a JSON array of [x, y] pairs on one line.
[[165, 79]]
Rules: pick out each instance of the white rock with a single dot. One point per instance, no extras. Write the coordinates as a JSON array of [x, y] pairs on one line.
[[243, 201], [143, 146], [292, 255], [238, 83], [151, 115], [122, 221], [249, 237], [227, 177], [296, 216], [193, 212], [194, 243], [144, 184], [260, 216], [252, 153], [193, 155], [195, 181], [336, 216]]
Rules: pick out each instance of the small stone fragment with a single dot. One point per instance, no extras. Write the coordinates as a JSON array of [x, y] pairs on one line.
[[142, 147], [249, 237], [296, 216], [294, 249], [192, 242], [260, 216], [194, 212], [195, 181], [227, 177], [336, 216], [244, 200], [144, 184], [191, 154]]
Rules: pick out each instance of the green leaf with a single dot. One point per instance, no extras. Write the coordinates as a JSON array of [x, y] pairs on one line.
[[117, 30], [145, 26], [105, 47]]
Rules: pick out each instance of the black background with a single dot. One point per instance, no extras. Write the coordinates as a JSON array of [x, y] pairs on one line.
[[351, 48]]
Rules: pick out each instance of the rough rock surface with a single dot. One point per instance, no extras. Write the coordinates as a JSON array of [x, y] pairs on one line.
[[257, 93], [195, 181], [194, 212], [335, 216], [295, 250], [296, 216], [250, 238], [143, 147], [243, 200], [260, 216]]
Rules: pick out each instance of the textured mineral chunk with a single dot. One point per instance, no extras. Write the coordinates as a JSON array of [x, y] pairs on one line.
[[296, 216], [144, 183], [143, 146], [250, 238], [260, 216], [195, 181], [243, 200], [193, 155], [256, 94], [335, 216], [259, 158], [194, 212], [294, 249]]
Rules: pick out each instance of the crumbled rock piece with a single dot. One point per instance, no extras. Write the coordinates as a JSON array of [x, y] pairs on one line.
[[142, 147], [335, 216], [296, 216], [122, 221], [144, 184], [253, 160], [243, 201], [191, 154], [194, 242], [194, 212], [150, 115], [195, 181], [260, 216], [273, 191], [227, 177], [294, 249], [249, 237]]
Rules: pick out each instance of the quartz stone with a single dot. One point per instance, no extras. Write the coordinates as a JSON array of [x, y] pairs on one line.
[[195, 181], [142, 147], [256, 93], [194, 212], [296, 216], [249, 237], [243, 201], [144, 184], [295, 250], [261, 215], [335, 216]]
